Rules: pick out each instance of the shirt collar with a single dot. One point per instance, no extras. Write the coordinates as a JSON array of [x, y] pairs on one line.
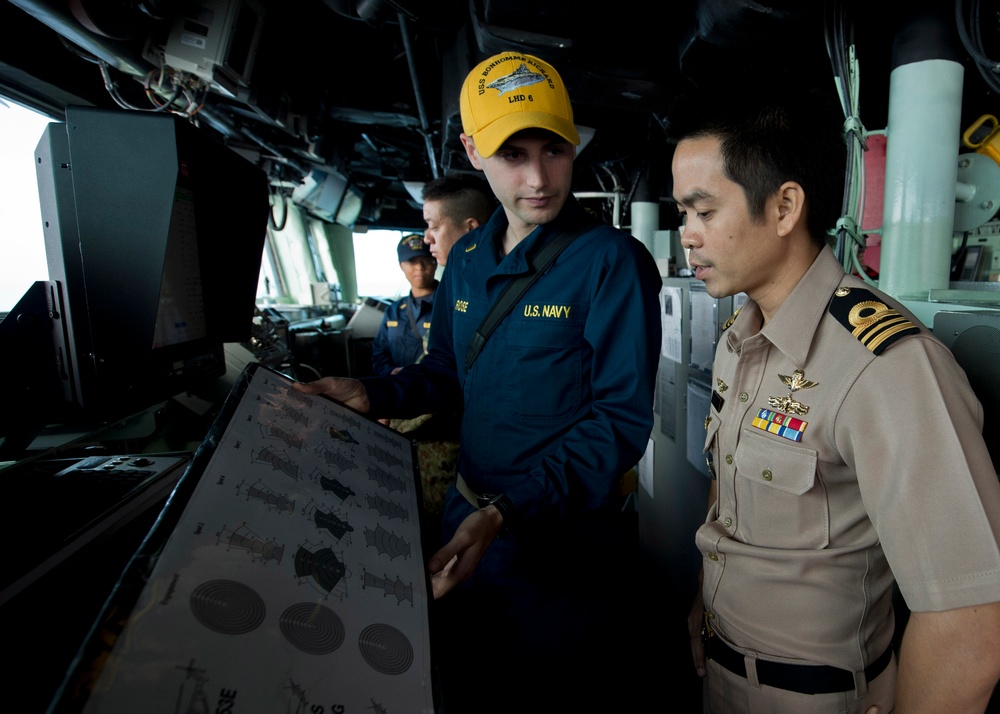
[[419, 302], [516, 261], [793, 326]]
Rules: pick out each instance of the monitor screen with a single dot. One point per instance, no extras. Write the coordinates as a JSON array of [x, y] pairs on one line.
[[154, 233], [180, 311]]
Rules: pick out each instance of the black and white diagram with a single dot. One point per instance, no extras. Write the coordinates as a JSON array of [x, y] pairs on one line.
[[293, 579]]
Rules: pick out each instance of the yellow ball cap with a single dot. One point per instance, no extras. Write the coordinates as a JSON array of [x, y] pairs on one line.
[[510, 92]]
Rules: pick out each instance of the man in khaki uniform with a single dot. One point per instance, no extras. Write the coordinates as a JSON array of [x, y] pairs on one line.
[[844, 440]]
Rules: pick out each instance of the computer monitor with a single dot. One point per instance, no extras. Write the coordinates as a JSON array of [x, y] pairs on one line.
[[154, 232]]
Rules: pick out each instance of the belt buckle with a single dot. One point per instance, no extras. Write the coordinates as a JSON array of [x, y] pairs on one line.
[[484, 500], [706, 628]]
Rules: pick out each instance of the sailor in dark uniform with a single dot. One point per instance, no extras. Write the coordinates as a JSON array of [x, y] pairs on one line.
[[402, 337]]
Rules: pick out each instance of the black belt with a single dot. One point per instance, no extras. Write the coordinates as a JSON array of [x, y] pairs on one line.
[[802, 678]]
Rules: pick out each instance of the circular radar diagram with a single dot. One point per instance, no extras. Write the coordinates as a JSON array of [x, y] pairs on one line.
[[386, 649], [227, 606], [314, 629]]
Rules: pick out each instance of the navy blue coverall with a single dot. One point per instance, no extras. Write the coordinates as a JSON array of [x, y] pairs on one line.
[[558, 406], [396, 344]]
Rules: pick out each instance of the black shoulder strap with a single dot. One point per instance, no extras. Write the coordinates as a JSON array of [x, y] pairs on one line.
[[412, 308], [515, 289]]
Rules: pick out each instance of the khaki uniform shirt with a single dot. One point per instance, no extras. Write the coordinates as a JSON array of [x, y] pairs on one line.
[[838, 468]]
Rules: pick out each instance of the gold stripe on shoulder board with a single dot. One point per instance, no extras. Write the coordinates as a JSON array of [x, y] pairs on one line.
[[875, 324]]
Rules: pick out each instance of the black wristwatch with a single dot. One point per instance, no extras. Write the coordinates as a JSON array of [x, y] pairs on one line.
[[504, 505]]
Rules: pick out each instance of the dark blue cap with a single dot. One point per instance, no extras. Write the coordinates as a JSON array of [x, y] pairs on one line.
[[413, 246]]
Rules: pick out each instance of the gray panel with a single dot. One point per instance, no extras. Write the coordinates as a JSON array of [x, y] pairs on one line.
[[974, 339], [669, 518]]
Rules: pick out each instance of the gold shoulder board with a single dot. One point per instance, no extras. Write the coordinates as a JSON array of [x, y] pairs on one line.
[[875, 324]]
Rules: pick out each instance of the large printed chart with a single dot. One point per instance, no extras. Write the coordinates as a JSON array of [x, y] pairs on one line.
[[294, 579]]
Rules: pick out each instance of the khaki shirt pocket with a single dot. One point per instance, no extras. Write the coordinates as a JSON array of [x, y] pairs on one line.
[[781, 501]]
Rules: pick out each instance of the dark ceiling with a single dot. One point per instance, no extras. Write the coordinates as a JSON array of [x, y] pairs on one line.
[[369, 88]]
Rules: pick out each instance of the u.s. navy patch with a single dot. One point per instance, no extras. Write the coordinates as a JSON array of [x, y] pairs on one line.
[[780, 424], [875, 324]]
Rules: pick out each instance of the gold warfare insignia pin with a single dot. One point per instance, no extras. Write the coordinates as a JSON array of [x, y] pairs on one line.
[[722, 386], [732, 319], [788, 403]]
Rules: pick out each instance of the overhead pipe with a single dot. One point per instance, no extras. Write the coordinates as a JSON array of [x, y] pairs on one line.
[[404, 30], [645, 207], [57, 17]]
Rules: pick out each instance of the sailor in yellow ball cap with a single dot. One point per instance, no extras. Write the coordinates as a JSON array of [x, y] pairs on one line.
[[518, 129], [557, 406]]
